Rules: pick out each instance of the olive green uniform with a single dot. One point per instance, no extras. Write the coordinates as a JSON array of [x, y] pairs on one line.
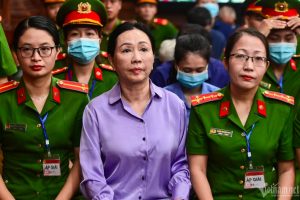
[[23, 142], [101, 79], [215, 130]]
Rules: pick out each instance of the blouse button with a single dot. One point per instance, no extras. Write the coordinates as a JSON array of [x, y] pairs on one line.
[[240, 196], [241, 182], [144, 139], [242, 167]]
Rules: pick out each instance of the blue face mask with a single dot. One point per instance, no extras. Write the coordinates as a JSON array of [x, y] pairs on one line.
[[84, 50], [190, 81], [213, 8], [281, 53]]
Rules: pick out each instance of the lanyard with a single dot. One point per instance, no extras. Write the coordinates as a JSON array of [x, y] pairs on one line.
[[247, 136], [70, 77], [47, 143], [91, 90], [280, 82]]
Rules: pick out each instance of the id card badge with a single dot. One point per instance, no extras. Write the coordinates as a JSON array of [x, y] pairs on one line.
[[51, 166], [255, 178]]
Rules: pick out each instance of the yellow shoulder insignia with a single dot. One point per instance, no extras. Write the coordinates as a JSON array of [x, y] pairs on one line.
[[107, 67], [59, 70], [71, 85], [204, 98], [279, 96], [161, 21], [265, 85], [4, 87]]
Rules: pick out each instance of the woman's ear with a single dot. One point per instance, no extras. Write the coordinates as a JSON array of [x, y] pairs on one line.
[[111, 61], [225, 62]]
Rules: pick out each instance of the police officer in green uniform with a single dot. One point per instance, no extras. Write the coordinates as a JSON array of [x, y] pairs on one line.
[[281, 26], [161, 28], [113, 8], [240, 138], [7, 63], [82, 22], [40, 123]]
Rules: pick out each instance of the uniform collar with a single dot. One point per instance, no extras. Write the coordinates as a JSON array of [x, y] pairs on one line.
[[258, 109], [115, 92]]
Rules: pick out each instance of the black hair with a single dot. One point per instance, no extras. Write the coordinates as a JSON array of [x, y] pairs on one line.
[[191, 43], [194, 29], [123, 28], [37, 22], [199, 15], [238, 34], [69, 27]]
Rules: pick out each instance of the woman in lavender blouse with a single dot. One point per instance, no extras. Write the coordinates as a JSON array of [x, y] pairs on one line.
[[133, 136]]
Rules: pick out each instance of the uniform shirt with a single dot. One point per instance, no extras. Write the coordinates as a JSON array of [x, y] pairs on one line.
[[177, 89], [216, 131], [217, 74], [101, 80], [125, 157], [23, 142], [290, 81]]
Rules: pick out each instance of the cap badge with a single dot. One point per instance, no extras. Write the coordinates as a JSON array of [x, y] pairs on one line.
[[281, 7], [84, 8]]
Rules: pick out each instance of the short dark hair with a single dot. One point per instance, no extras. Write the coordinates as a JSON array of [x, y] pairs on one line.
[[238, 34], [194, 29], [38, 22], [199, 15], [69, 27], [191, 43], [127, 26]]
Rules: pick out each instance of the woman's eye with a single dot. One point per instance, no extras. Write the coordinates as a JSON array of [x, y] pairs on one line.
[[144, 49], [125, 50]]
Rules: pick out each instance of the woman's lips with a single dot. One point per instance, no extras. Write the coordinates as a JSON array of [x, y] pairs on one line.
[[247, 78], [36, 67]]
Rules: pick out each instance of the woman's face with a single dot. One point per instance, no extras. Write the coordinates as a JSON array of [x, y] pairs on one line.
[[82, 32], [244, 73], [192, 63], [133, 57], [36, 53]]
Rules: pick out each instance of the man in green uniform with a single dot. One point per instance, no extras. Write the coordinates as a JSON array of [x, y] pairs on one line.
[[82, 22], [161, 28], [113, 8], [7, 64], [215, 130], [284, 71]]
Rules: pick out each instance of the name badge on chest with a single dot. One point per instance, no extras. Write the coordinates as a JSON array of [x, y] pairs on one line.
[[51, 166], [255, 178]]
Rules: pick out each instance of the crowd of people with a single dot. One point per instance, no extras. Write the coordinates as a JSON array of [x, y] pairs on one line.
[[106, 109]]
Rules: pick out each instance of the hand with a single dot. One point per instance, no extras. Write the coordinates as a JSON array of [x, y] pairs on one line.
[[294, 24], [271, 23]]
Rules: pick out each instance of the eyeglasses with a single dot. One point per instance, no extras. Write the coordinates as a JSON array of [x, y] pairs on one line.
[[257, 60], [28, 52]]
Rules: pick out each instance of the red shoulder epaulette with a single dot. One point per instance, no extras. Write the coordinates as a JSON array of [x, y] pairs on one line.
[[204, 98], [161, 21], [60, 70], [4, 87], [104, 54], [279, 96], [61, 56], [71, 85], [107, 66]]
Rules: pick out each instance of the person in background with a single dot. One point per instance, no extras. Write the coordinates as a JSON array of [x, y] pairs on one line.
[[192, 54], [202, 17], [165, 74], [211, 5], [166, 50], [147, 164], [40, 122], [240, 138], [113, 8], [161, 28], [82, 22], [281, 27], [253, 16], [7, 64], [226, 21]]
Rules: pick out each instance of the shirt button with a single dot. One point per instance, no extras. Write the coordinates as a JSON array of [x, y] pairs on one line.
[[39, 145], [240, 196], [140, 197], [241, 182], [37, 193], [242, 167], [144, 139], [38, 125], [143, 177], [145, 158], [243, 150], [39, 161], [6, 181]]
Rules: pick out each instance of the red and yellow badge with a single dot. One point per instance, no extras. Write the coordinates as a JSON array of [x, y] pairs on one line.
[[71, 85], [60, 70], [281, 7], [279, 96], [160, 21], [261, 108], [204, 98], [84, 8], [224, 109]]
